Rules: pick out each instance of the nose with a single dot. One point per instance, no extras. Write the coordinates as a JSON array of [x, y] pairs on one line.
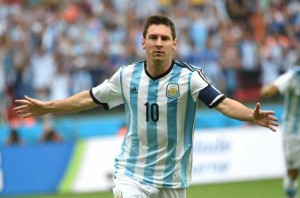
[[158, 42]]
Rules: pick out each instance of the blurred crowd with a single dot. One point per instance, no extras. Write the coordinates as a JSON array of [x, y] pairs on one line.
[[51, 49]]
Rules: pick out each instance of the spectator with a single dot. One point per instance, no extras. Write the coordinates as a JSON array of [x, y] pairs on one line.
[[60, 84], [13, 138], [80, 31], [22, 83], [271, 56], [49, 134], [249, 53], [43, 68]]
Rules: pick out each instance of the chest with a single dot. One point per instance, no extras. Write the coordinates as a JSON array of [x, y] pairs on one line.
[[163, 91]]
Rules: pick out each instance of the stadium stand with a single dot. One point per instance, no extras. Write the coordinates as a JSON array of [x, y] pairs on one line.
[[51, 49]]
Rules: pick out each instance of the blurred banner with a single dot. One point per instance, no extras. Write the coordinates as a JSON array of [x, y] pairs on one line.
[[220, 155], [236, 154], [34, 169]]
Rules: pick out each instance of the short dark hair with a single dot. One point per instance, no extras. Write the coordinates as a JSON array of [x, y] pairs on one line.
[[159, 20]]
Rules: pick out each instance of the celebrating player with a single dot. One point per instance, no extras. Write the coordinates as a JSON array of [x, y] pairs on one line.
[[160, 98]]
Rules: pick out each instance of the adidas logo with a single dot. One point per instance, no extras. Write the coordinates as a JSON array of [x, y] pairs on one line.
[[133, 90]]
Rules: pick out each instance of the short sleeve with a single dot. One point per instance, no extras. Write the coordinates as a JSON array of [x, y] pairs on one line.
[[198, 82], [203, 89], [108, 93], [283, 81]]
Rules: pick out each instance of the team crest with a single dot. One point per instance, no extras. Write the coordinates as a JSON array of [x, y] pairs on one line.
[[173, 91]]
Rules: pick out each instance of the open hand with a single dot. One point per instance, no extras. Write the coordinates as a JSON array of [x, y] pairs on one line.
[[29, 107], [265, 118]]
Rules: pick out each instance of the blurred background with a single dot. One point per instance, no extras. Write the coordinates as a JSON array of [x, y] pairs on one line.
[[51, 49]]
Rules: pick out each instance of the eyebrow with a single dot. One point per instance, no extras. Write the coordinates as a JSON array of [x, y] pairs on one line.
[[161, 35]]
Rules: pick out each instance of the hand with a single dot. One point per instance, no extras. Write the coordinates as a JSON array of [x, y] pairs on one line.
[[30, 107], [265, 118]]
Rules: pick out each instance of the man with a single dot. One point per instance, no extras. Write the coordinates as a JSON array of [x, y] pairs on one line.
[[289, 85], [160, 97]]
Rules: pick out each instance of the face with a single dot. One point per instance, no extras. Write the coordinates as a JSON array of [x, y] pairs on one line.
[[159, 44]]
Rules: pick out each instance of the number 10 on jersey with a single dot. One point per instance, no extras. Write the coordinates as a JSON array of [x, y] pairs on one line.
[[152, 112]]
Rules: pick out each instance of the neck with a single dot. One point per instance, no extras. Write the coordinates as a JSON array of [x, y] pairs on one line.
[[157, 68]]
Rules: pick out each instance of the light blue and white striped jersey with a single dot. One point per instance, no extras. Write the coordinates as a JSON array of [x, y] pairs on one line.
[[160, 112], [289, 85]]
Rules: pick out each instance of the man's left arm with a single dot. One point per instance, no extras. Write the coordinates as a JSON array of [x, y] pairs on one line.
[[238, 111]]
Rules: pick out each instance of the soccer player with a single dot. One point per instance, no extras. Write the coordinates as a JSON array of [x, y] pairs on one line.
[[289, 85], [160, 97]]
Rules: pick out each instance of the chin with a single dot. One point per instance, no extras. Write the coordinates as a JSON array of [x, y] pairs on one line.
[[158, 60]]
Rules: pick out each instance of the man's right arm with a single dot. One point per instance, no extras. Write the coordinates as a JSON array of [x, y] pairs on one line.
[[32, 107]]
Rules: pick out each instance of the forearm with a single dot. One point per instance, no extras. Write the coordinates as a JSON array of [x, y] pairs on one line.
[[235, 110], [78, 102], [269, 90]]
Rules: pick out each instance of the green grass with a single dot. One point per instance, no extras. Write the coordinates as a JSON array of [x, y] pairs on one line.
[[249, 189], [253, 189]]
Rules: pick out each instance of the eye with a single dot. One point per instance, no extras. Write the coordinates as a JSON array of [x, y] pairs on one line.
[[165, 38], [153, 37]]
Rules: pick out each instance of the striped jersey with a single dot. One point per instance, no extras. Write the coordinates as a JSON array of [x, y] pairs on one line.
[[289, 85], [160, 113]]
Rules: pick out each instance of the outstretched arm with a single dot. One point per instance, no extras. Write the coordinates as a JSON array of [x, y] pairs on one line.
[[32, 107], [236, 110]]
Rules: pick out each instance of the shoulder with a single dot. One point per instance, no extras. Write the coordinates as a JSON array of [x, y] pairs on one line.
[[197, 73], [189, 67], [127, 70], [139, 63]]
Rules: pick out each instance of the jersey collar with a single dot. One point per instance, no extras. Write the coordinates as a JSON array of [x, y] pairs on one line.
[[160, 76]]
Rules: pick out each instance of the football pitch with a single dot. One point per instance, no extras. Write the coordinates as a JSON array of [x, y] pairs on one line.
[[250, 189]]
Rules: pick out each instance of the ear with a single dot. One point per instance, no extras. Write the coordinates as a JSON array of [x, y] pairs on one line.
[[175, 44], [143, 43]]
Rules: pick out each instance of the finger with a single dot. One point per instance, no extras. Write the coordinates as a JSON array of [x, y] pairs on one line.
[[18, 108], [273, 118], [30, 99], [273, 123], [257, 108], [21, 112], [27, 115], [269, 112], [22, 102], [272, 128]]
